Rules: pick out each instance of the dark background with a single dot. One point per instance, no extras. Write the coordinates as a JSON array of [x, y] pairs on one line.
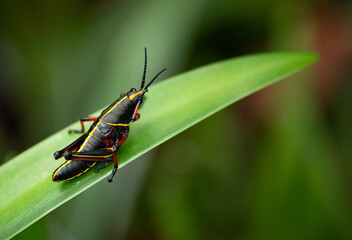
[[276, 165]]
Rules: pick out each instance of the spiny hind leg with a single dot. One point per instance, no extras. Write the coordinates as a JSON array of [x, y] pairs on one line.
[[83, 119], [97, 155], [102, 154]]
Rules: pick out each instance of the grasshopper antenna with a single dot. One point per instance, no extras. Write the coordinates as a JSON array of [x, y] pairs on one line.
[[146, 88], [145, 67]]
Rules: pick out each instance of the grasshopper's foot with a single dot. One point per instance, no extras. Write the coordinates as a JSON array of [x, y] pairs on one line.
[[74, 131], [102, 166], [112, 174]]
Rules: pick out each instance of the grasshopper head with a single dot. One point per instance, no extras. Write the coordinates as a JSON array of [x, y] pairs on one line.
[[136, 97]]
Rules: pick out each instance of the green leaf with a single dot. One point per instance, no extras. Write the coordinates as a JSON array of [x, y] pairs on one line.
[[27, 192]]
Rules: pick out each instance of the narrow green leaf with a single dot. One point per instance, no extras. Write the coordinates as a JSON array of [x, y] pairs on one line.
[[27, 192]]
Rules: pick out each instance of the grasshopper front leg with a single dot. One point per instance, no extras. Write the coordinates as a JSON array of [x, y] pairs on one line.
[[118, 144], [82, 120]]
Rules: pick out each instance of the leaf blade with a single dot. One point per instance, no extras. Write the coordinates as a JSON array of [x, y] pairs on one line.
[[171, 107]]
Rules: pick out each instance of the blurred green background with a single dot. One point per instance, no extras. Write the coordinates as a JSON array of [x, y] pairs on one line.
[[276, 165]]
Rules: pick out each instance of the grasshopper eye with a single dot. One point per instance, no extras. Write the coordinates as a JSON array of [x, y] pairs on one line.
[[133, 90]]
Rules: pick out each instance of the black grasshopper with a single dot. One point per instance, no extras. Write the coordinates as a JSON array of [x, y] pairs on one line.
[[103, 139]]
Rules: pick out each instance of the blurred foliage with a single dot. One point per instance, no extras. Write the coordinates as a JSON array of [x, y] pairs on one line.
[[277, 165]]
